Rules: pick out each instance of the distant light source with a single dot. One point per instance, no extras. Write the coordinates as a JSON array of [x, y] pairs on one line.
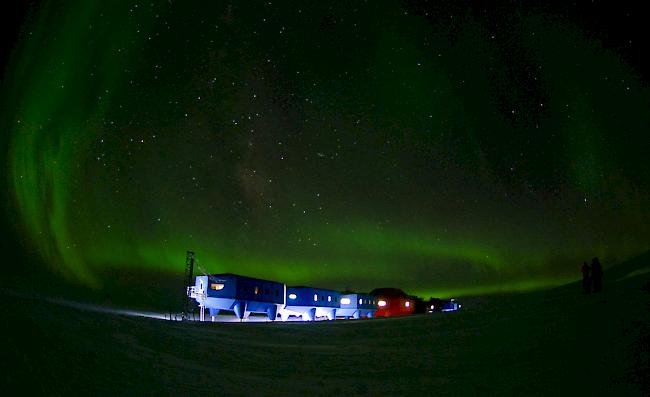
[[407, 304], [315, 297], [360, 301], [345, 301], [293, 296], [381, 303], [216, 287], [432, 306], [329, 298]]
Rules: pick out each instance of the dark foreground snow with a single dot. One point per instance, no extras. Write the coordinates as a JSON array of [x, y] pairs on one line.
[[556, 342]]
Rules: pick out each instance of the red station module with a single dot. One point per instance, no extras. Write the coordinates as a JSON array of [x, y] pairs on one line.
[[393, 302]]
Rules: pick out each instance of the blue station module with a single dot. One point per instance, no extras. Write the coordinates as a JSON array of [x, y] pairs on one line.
[[357, 306], [310, 303], [240, 294]]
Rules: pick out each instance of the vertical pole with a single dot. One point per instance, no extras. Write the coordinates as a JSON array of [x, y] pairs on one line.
[[189, 272]]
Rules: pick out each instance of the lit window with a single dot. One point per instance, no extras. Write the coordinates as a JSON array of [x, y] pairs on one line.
[[407, 304], [360, 301], [257, 290], [293, 296], [381, 303], [329, 298], [315, 297], [216, 287], [345, 301]]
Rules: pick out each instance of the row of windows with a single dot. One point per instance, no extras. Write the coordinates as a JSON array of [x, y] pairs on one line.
[[322, 298], [382, 303], [293, 296], [345, 301], [244, 288]]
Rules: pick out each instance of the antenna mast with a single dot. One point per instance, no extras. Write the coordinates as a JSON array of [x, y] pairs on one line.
[[189, 273]]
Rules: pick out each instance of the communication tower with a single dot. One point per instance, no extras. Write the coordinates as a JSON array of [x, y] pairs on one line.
[[189, 273]]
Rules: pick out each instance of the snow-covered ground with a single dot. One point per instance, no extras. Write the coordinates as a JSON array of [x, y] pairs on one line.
[[555, 342]]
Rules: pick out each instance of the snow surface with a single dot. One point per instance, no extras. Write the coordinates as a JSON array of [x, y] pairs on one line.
[[555, 342]]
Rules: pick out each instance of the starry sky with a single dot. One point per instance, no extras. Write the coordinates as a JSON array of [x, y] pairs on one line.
[[440, 147]]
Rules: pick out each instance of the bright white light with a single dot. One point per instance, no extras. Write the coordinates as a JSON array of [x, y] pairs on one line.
[[381, 303], [407, 304], [345, 301], [293, 296], [432, 306], [360, 301], [315, 297], [329, 298]]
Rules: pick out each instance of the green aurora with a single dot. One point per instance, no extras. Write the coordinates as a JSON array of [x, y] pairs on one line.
[[336, 145]]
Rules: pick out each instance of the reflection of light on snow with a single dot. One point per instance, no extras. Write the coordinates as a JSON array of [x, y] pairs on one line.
[[104, 309], [381, 303], [293, 296], [345, 301]]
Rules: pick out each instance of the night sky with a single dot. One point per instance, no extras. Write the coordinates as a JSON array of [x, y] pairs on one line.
[[439, 147]]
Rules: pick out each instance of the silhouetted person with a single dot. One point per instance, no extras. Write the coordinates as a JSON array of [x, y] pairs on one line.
[[596, 275], [586, 277]]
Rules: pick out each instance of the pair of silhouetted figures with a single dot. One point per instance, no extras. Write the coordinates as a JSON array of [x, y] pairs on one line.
[[592, 276]]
